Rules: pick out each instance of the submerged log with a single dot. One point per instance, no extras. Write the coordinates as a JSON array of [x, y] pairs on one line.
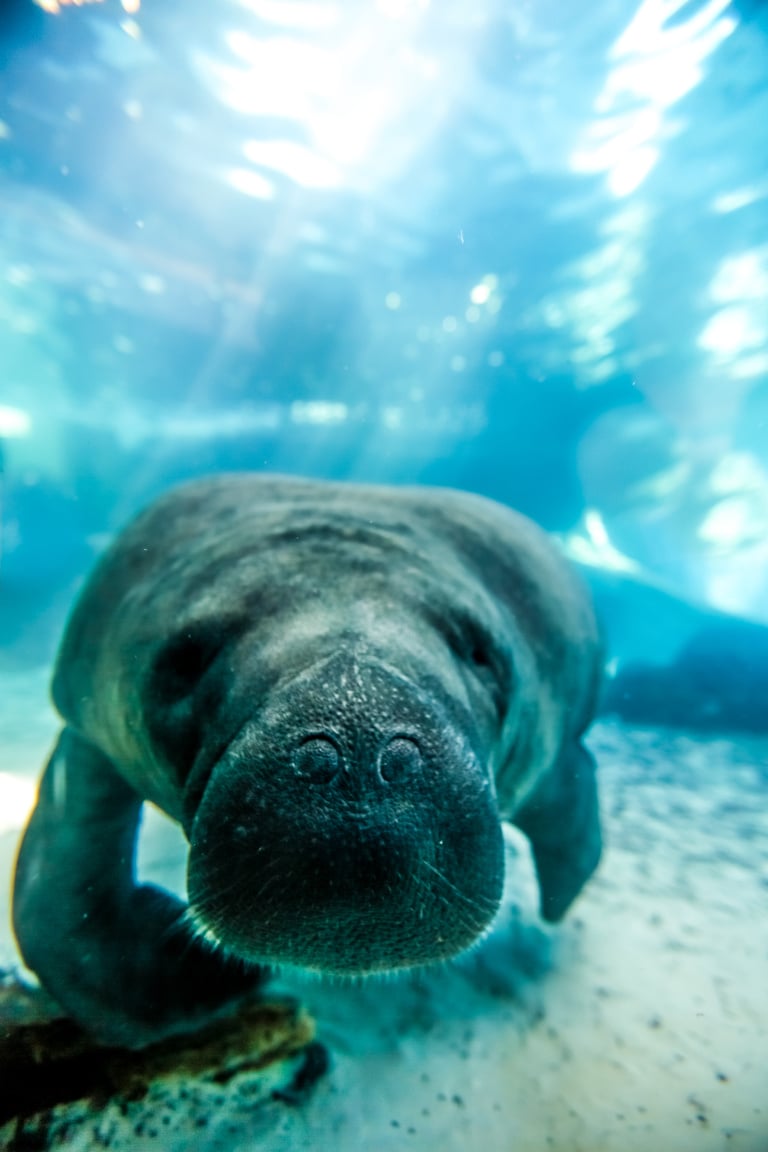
[[54, 1079]]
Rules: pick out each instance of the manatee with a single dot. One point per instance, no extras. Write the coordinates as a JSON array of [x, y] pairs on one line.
[[339, 692]]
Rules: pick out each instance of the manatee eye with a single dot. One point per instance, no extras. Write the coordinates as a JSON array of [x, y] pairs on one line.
[[483, 655], [494, 676], [317, 760], [480, 657], [400, 758], [182, 662], [184, 687]]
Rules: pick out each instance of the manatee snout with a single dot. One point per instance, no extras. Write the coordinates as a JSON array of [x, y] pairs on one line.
[[352, 828]]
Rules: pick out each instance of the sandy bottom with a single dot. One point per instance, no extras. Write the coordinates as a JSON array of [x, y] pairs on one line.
[[640, 1025]]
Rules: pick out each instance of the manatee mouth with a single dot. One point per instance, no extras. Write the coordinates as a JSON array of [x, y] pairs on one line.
[[351, 896], [347, 933]]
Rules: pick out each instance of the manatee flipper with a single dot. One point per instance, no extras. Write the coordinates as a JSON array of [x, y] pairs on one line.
[[562, 822], [116, 954]]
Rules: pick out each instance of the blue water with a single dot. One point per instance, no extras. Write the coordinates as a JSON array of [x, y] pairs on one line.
[[515, 247]]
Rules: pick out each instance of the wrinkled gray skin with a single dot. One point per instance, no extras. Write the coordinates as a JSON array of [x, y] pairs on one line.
[[339, 692]]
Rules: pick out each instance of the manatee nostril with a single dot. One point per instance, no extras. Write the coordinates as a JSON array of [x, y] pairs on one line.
[[400, 758], [317, 759]]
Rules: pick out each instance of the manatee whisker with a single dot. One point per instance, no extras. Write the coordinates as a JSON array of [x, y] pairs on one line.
[[480, 902], [471, 925]]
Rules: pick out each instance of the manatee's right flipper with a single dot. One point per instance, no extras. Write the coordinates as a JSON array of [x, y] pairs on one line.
[[119, 957], [562, 822]]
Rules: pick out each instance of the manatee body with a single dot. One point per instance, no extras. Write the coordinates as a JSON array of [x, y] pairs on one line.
[[339, 692]]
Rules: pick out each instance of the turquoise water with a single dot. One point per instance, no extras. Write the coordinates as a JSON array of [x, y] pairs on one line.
[[519, 249]]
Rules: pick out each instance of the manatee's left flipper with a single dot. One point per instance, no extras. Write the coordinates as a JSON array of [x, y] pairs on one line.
[[120, 957], [562, 822]]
